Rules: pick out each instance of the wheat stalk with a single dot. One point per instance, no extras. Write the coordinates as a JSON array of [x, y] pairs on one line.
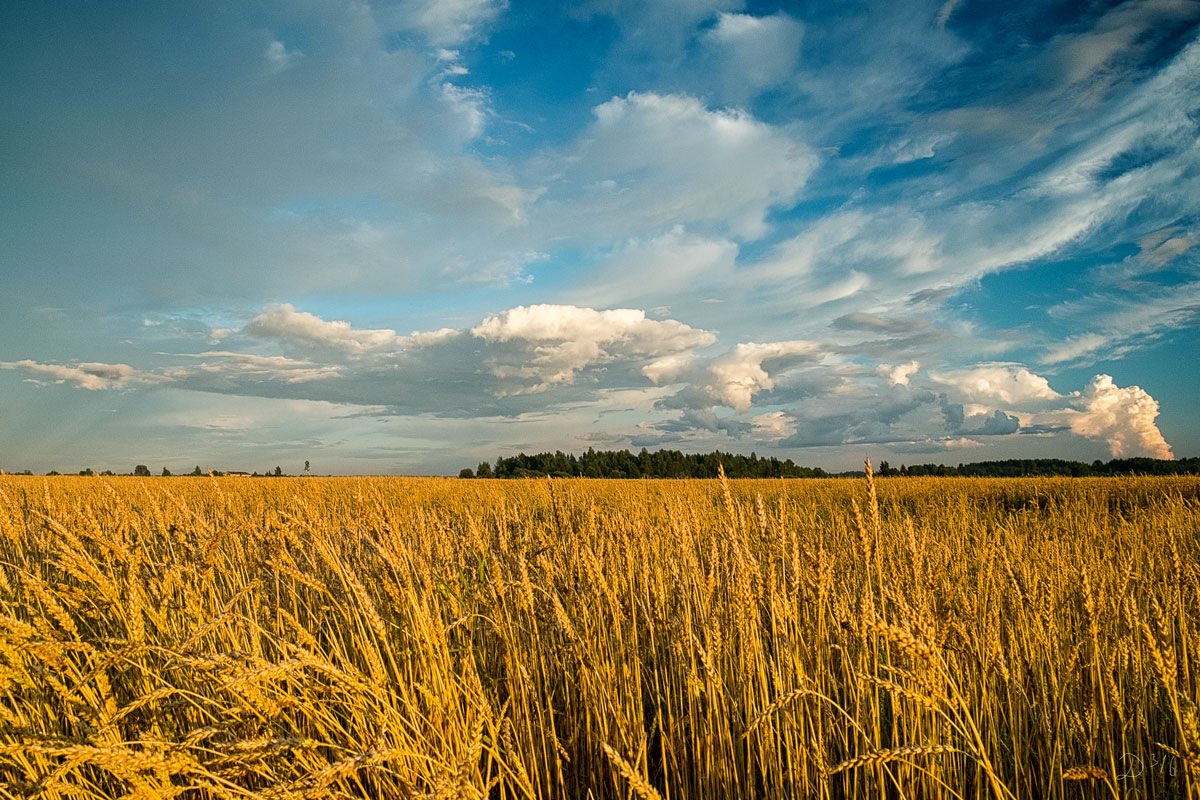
[[884, 756]]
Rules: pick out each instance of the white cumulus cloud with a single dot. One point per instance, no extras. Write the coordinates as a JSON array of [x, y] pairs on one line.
[[1122, 417], [732, 378], [86, 375], [285, 323], [554, 342], [739, 375], [1010, 384], [773, 426], [898, 375]]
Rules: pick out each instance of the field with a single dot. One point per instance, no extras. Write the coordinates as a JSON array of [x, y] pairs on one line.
[[397, 638]]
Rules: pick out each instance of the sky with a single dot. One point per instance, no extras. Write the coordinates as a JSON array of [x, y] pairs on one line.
[[406, 237]]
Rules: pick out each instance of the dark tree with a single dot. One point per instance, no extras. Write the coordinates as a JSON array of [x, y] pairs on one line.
[[197, 471], [484, 470], [141, 471], [466, 472]]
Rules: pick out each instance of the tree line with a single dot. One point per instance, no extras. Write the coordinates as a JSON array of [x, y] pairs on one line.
[[675, 464], [1036, 467], [645, 464], [142, 471]]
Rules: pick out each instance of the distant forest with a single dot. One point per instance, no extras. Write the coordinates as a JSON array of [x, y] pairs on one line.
[[674, 464], [624, 464], [1025, 467]]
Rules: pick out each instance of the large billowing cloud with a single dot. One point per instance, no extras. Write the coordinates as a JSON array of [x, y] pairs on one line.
[[1010, 384], [740, 374], [733, 378], [1122, 417], [840, 405], [559, 323], [549, 344]]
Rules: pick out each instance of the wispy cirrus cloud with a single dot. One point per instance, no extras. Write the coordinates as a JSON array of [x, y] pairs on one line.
[[650, 161]]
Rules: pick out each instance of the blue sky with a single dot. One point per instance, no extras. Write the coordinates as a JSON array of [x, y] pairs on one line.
[[405, 237]]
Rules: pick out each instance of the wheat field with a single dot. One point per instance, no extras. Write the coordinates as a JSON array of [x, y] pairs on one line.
[[413, 638]]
